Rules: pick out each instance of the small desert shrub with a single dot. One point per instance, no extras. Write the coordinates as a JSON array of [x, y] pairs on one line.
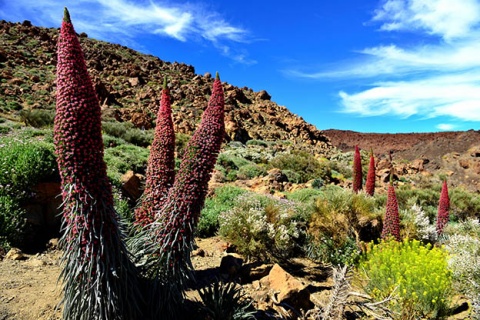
[[259, 143], [139, 137], [263, 227], [304, 195], [37, 118], [415, 223], [225, 301], [126, 131], [464, 204], [304, 164], [12, 222], [416, 275], [250, 171], [465, 263], [111, 141], [338, 216], [116, 129], [23, 164], [426, 198], [326, 250], [292, 176], [222, 200], [125, 157], [229, 165], [5, 129]]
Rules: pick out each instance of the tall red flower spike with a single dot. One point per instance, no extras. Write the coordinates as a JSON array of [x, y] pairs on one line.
[[391, 223], [161, 163], [179, 215], [443, 209], [370, 184], [99, 279], [357, 171]]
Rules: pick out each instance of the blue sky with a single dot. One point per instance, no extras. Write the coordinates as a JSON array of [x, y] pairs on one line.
[[368, 66]]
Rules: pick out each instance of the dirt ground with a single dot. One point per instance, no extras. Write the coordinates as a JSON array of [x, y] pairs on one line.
[[30, 290]]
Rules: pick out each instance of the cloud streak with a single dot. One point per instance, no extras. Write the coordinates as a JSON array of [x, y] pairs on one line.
[[440, 78], [122, 20]]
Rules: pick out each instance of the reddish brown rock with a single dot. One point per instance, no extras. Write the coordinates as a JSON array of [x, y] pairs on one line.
[[287, 289]]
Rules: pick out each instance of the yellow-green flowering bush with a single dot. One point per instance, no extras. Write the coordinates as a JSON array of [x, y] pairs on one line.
[[416, 275]]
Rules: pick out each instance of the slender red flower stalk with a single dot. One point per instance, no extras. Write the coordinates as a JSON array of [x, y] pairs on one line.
[[357, 171], [161, 163], [370, 184], [443, 209], [179, 215], [99, 279], [391, 223]]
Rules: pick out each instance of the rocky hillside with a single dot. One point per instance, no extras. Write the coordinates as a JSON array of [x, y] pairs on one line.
[[455, 155], [128, 85]]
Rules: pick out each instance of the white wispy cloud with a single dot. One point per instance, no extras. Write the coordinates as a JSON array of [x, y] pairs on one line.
[[446, 18], [440, 78], [445, 127], [122, 20]]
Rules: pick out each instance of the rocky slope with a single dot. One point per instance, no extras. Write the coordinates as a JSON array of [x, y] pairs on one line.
[[128, 85], [455, 155]]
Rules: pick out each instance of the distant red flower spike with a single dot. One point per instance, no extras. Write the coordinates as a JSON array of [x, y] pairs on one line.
[[391, 222], [357, 171], [161, 163], [443, 209], [180, 213]]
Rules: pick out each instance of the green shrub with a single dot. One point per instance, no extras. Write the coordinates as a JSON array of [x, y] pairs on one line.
[[326, 250], [5, 129], [304, 195], [292, 176], [111, 141], [263, 227], [304, 164], [24, 164], [229, 165], [12, 222], [464, 204], [125, 157], [116, 129], [426, 198], [260, 143], [250, 171], [222, 200], [338, 216], [126, 131], [139, 137], [416, 274], [37, 118]]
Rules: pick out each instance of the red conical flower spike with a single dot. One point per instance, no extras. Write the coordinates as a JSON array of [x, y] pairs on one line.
[[161, 163], [357, 171], [370, 184], [391, 223], [443, 209], [179, 216], [99, 279]]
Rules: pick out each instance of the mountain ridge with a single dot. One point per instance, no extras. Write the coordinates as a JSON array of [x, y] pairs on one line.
[[128, 85]]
